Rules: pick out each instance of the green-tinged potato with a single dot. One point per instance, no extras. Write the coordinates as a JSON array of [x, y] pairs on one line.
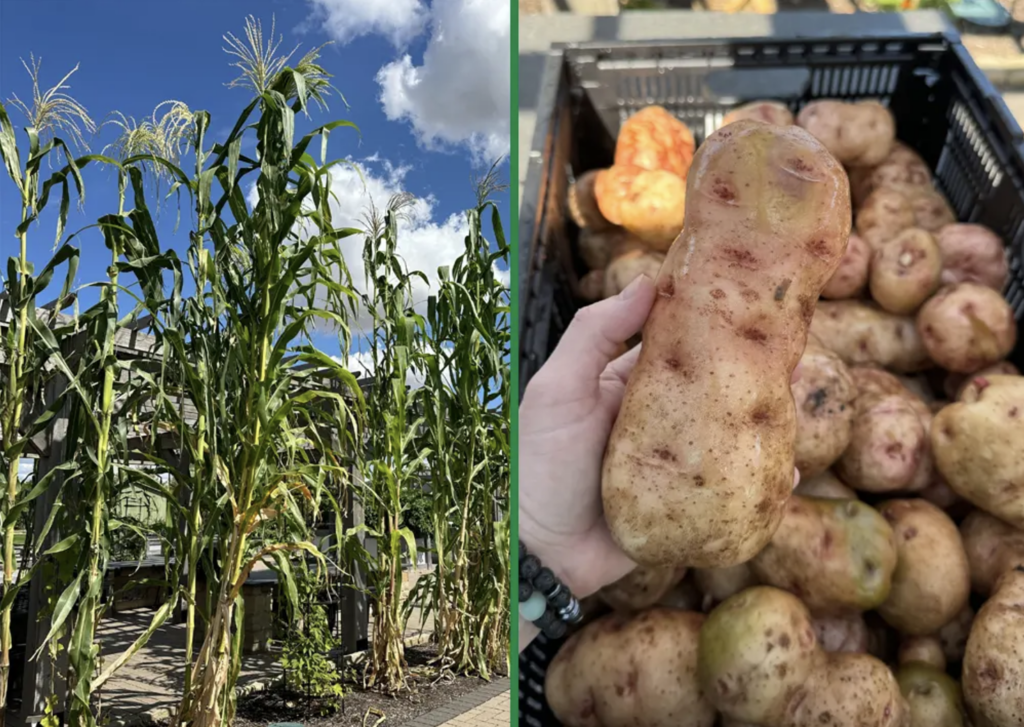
[[628, 267], [934, 698], [932, 581], [977, 446], [972, 254], [966, 326], [905, 271], [718, 584], [955, 384], [640, 588], [837, 556], [653, 138], [825, 485], [706, 485], [862, 333], [931, 210], [860, 691], [887, 445], [851, 277], [858, 134], [993, 671], [592, 286], [993, 547], [847, 632], [953, 636], [884, 214], [583, 206], [924, 650], [648, 203], [824, 397], [757, 653], [599, 247], [770, 112], [622, 671]]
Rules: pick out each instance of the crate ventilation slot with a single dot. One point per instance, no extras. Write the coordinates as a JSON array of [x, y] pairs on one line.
[[875, 80]]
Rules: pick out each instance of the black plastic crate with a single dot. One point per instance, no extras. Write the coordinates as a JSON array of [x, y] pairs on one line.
[[945, 108]]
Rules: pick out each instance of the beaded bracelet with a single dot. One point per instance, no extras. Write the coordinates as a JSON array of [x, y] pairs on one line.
[[543, 599]]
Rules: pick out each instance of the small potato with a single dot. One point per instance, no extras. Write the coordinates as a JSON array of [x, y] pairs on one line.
[[837, 556], [993, 547], [599, 248], [942, 496], [654, 139], [862, 333], [626, 268], [854, 690], [620, 671], [932, 581], [883, 640], [871, 380], [592, 286], [884, 214], [640, 588], [683, 596], [905, 271], [924, 650], [718, 584], [850, 280], [649, 203], [846, 633], [824, 396], [902, 171], [770, 112], [857, 134], [977, 446], [972, 254], [931, 210], [993, 671], [825, 486], [583, 206], [953, 636], [919, 387], [887, 445], [955, 383], [966, 327], [934, 698]]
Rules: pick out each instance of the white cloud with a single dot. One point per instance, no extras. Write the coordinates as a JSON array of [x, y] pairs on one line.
[[344, 20], [26, 468], [460, 95]]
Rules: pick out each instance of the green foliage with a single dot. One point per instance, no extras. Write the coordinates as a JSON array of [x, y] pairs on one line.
[[308, 670]]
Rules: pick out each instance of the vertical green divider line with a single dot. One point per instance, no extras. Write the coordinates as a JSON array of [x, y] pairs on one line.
[[514, 388]]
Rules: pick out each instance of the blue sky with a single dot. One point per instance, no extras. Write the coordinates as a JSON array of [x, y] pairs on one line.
[[426, 83]]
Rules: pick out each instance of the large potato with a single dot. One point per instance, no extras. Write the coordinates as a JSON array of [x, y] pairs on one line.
[[648, 203], [924, 650], [977, 446], [851, 278], [884, 214], [862, 333], [770, 112], [825, 485], [853, 690], [718, 584], [846, 632], [931, 210], [902, 171], [700, 461], [640, 588], [932, 581], [993, 547], [654, 139], [858, 134], [583, 207], [905, 271], [626, 268], [837, 556], [934, 698], [887, 446], [972, 254], [993, 672], [824, 396], [966, 326], [620, 671], [599, 248]]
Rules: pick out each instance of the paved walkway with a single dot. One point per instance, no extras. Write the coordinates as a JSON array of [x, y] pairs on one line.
[[488, 706]]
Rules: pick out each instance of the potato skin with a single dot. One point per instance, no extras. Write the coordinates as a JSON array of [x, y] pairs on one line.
[[847, 633], [727, 328], [887, 445], [977, 446], [837, 556], [993, 670], [934, 698], [583, 207], [967, 326], [641, 588], [591, 287], [599, 248], [626, 268], [903, 170], [931, 210], [619, 669], [857, 134], [860, 691], [924, 650], [953, 636], [851, 278], [770, 112], [955, 383], [993, 547], [718, 584], [862, 333], [871, 380], [654, 139], [932, 580], [649, 203], [824, 486], [884, 214], [972, 254], [905, 271], [824, 397]]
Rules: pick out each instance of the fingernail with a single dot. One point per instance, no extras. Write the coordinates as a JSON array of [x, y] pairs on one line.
[[630, 290]]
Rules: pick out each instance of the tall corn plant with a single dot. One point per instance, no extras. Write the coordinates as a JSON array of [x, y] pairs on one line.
[[49, 113]]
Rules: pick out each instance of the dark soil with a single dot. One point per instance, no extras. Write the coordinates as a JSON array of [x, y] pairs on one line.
[[425, 694]]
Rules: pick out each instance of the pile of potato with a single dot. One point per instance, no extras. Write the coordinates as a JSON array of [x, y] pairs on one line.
[[888, 587]]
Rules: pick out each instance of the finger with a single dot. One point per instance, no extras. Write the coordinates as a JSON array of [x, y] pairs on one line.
[[620, 369], [594, 338], [797, 372]]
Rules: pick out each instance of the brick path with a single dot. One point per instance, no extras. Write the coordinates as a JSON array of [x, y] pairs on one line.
[[488, 706], [495, 712]]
